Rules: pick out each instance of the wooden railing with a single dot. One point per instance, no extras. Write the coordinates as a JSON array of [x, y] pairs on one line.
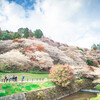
[[25, 80]]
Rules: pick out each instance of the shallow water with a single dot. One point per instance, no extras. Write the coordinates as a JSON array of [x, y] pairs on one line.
[[80, 96]]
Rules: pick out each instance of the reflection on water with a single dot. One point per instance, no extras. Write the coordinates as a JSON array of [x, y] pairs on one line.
[[80, 96]]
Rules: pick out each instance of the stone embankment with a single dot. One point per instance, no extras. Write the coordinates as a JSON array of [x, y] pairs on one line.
[[51, 93]]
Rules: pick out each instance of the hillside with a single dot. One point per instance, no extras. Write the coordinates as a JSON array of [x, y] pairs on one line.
[[31, 53]]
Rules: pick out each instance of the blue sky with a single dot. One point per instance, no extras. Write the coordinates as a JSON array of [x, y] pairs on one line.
[[26, 4], [75, 22]]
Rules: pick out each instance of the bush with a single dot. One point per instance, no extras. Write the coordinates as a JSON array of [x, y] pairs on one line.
[[38, 33], [89, 62], [62, 75], [98, 87], [81, 49]]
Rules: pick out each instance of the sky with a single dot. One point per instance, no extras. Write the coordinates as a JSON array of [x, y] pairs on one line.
[[74, 22]]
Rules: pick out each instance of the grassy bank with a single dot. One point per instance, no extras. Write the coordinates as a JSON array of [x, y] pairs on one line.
[[12, 88], [28, 76], [96, 98], [98, 95]]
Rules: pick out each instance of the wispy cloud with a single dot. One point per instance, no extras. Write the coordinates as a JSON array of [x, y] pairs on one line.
[[67, 21]]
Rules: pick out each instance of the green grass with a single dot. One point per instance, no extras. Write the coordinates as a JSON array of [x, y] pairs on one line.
[[28, 76], [98, 95], [96, 98], [97, 87], [12, 88]]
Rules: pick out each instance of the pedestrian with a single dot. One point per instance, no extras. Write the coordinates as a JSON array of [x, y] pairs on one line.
[[14, 78], [7, 78], [11, 77], [23, 78]]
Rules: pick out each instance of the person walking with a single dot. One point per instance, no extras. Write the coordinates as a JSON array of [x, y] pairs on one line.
[[23, 78], [14, 78], [7, 78], [11, 78]]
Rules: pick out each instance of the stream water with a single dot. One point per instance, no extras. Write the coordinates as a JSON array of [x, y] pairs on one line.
[[80, 96]]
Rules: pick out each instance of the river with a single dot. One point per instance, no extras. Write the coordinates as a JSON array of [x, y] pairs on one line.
[[80, 96]]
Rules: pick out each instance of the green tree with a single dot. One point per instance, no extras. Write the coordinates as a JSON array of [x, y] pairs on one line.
[[7, 31], [6, 36], [94, 46], [26, 33], [21, 30], [38, 33], [0, 32], [16, 35], [98, 46]]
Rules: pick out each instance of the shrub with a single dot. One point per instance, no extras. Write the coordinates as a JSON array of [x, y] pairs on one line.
[[95, 63], [91, 68], [81, 49], [40, 48], [31, 48], [34, 48], [62, 75], [15, 40], [89, 62], [40, 95], [98, 87], [80, 82]]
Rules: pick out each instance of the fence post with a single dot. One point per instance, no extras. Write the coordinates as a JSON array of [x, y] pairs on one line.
[[27, 79]]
